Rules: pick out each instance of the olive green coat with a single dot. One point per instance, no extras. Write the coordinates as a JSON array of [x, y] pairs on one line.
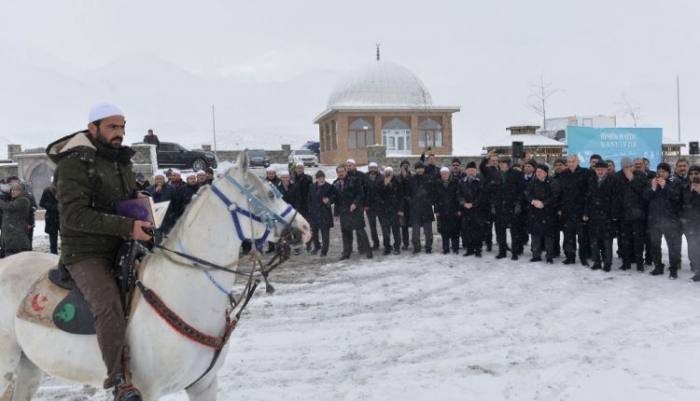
[[90, 178], [15, 234]]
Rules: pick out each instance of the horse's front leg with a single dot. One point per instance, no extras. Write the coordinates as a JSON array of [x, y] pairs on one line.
[[205, 389]]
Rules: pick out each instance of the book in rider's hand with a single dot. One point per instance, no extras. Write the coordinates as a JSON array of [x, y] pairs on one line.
[[143, 209]]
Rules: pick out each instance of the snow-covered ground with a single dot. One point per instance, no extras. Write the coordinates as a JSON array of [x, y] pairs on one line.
[[446, 327]]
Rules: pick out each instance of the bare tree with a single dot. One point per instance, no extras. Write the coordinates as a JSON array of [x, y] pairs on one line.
[[539, 95], [630, 109]]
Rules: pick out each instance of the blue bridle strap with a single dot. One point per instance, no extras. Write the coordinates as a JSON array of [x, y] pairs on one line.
[[271, 218]]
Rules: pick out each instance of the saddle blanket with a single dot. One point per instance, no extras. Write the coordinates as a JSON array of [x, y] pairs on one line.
[[41, 302]]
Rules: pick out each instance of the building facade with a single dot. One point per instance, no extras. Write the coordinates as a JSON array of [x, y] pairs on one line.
[[385, 104]]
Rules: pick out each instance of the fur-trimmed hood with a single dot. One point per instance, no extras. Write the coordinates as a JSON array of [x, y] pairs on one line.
[[79, 145]]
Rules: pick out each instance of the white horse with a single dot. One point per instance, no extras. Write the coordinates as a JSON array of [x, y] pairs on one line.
[[163, 361]]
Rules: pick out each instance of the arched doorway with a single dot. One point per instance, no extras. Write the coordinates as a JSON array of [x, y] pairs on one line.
[[396, 136]]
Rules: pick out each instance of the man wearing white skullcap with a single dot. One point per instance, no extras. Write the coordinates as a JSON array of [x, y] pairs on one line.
[[271, 176], [92, 232]]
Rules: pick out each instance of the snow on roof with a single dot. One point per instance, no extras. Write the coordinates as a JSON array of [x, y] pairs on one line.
[[380, 83], [526, 139]]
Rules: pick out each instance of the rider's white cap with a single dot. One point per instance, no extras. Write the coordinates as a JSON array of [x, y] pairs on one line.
[[103, 110]]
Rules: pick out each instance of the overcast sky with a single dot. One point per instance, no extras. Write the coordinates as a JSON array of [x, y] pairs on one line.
[[480, 55]]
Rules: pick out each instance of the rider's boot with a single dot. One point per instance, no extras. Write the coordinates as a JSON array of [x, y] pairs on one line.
[[125, 392]]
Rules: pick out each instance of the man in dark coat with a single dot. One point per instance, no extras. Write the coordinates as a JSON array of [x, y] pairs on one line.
[[14, 221], [93, 171], [302, 182], [631, 189], [51, 220], [456, 171], [373, 177], [183, 196], [162, 191], [522, 233], [448, 211], [431, 168], [488, 169], [664, 205], [691, 219], [348, 208], [508, 189], [390, 205], [320, 198], [472, 203], [405, 220], [420, 196], [151, 139], [559, 168], [27, 190], [601, 211], [271, 176], [542, 202], [573, 186]]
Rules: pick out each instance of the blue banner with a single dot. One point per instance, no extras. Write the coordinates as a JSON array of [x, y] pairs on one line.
[[614, 143]]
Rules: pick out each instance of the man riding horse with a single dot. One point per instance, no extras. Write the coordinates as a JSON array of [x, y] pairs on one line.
[[93, 171]]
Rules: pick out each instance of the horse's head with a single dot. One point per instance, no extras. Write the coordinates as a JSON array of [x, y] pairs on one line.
[[272, 218]]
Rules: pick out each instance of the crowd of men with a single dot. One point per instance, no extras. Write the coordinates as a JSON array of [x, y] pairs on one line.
[[568, 211]]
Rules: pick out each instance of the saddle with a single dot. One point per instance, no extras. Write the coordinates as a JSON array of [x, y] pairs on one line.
[[55, 301]]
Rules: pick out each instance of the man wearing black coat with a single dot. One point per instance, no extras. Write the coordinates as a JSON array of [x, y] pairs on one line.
[[404, 221], [507, 192], [473, 208], [664, 205], [320, 198], [573, 186], [161, 191], [691, 219], [431, 168], [390, 206], [302, 182], [448, 211], [542, 202], [559, 168], [601, 212], [420, 196], [51, 221], [373, 177], [488, 169], [631, 189], [348, 208]]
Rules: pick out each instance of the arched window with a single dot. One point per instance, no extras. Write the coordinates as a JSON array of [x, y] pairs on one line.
[[360, 134], [429, 134], [396, 136]]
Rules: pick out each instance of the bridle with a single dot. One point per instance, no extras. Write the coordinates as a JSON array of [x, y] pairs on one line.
[[257, 211]]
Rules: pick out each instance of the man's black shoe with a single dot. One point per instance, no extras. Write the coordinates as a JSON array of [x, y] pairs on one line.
[[443, 252], [489, 247], [501, 255], [536, 260], [375, 247], [658, 270], [477, 253], [369, 255], [323, 255], [470, 252], [640, 267], [569, 261], [607, 267], [405, 247], [387, 251], [514, 257], [550, 261], [416, 251], [428, 251], [344, 256], [624, 267], [596, 266], [673, 274], [314, 251], [584, 262], [696, 277], [396, 252]]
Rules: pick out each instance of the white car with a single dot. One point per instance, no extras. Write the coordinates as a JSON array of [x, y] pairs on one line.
[[303, 156]]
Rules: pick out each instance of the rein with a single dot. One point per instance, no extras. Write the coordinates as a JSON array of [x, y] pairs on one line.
[[267, 216]]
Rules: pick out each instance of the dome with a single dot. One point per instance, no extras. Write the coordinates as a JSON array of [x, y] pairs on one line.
[[380, 83]]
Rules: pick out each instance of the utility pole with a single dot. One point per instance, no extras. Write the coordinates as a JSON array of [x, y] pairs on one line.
[[213, 123], [678, 103]]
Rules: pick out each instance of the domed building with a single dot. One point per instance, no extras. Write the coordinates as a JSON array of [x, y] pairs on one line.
[[382, 103]]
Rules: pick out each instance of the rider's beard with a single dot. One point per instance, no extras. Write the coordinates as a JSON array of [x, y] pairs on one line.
[[115, 143]]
